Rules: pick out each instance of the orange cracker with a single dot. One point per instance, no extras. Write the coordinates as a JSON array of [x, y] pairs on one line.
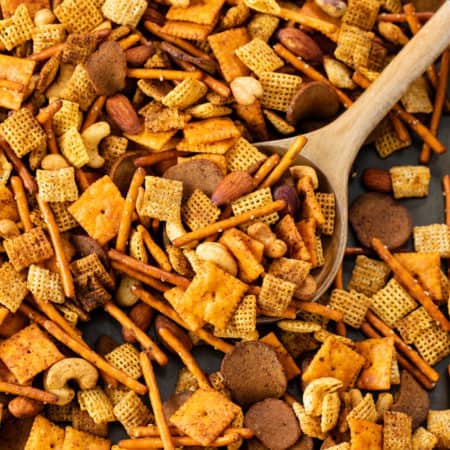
[[44, 434], [203, 12], [187, 30], [28, 352], [152, 141], [13, 288], [205, 415], [175, 297], [287, 231], [210, 130], [99, 210], [223, 46], [365, 435], [334, 359], [76, 440]]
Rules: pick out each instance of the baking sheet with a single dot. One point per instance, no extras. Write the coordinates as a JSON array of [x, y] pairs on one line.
[[424, 211]]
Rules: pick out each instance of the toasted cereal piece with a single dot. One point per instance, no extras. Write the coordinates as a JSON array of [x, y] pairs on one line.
[[75, 439], [309, 425], [259, 57], [279, 123], [365, 434], [368, 275], [47, 35], [185, 381], [178, 261], [64, 220], [433, 344], [112, 148], [386, 140], [97, 404], [235, 16], [57, 185], [287, 231], [338, 73], [264, 6], [159, 118], [79, 46], [28, 352], [116, 394], [59, 413], [28, 248], [210, 130], [44, 434], [8, 206], [13, 288], [17, 29], [68, 117], [432, 238], [293, 270], [23, 132], [364, 410], [208, 110], [327, 204], [410, 181], [45, 285], [353, 46], [155, 89], [243, 320], [417, 98], [80, 88], [296, 343], [395, 372], [334, 359], [131, 412], [331, 405], [278, 89], [137, 246], [361, 13], [243, 156], [202, 12], [275, 294], [73, 148], [438, 423], [91, 264], [214, 148], [124, 12], [99, 210], [422, 439], [78, 16], [212, 411], [91, 293], [68, 314], [5, 169], [82, 421], [397, 431], [353, 306], [262, 26], [198, 211], [413, 324], [392, 303], [187, 30], [185, 94], [394, 6], [126, 358]]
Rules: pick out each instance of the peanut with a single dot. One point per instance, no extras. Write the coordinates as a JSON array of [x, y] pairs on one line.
[[246, 90], [24, 408], [44, 17], [142, 315], [8, 229], [273, 247], [54, 162]]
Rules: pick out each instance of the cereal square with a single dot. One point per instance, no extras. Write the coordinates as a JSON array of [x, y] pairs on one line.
[[386, 139], [293, 270], [17, 29], [368, 275], [413, 324], [45, 285], [124, 12], [278, 89], [417, 98], [438, 423], [276, 294], [353, 46], [353, 305], [72, 147], [97, 404], [185, 94], [433, 344], [397, 431], [13, 288], [199, 211], [410, 181], [78, 16], [44, 435], [243, 156], [69, 116], [433, 238], [126, 358], [362, 13], [131, 412], [82, 421], [57, 185], [259, 57]]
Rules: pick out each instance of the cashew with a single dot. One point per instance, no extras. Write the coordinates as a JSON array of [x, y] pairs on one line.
[[246, 90], [338, 73], [44, 17], [56, 90], [91, 138], [54, 162], [315, 392], [124, 296], [273, 247], [58, 375], [393, 33], [300, 171], [175, 230], [218, 254], [8, 229], [334, 8]]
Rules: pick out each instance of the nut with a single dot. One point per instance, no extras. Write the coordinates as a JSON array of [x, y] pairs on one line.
[[92, 136], [233, 186], [301, 44], [162, 322], [307, 290], [300, 171], [124, 296], [289, 195], [218, 254], [378, 180], [8, 229], [54, 162], [392, 33], [23, 407], [137, 56], [334, 8], [246, 90], [273, 247], [57, 376], [122, 113], [44, 16], [142, 315], [338, 73], [175, 230]]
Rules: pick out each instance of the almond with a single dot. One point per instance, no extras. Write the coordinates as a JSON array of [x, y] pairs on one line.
[[137, 56], [233, 186], [122, 113], [377, 180], [141, 314], [301, 44]]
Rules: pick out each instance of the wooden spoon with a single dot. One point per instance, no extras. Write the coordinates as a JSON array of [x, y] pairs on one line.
[[332, 149]]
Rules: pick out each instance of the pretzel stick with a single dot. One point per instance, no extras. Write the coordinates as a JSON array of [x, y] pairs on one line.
[[142, 337], [321, 310], [47, 53], [350, 251], [369, 331], [168, 311], [3, 314], [410, 284], [146, 269], [408, 118], [310, 72], [27, 179], [309, 21], [412, 355], [152, 282], [225, 224], [129, 41], [12, 85], [155, 401], [154, 158], [286, 160], [178, 441], [163, 74], [94, 112], [28, 391], [152, 431], [51, 138], [265, 168], [423, 16], [128, 209], [400, 129], [61, 259], [21, 202], [439, 101], [446, 185], [47, 113], [82, 179], [188, 360], [158, 254]]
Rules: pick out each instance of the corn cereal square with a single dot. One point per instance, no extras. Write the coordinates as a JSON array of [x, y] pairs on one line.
[[72, 147], [45, 285], [198, 211], [438, 423], [387, 141], [78, 16], [368, 275], [276, 294], [124, 12], [414, 324], [131, 412], [278, 89], [352, 305], [97, 404], [13, 288], [243, 156], [57, 185], [17, 29], [259, 57], [126, 358], [410, 181], [432, 238], [243, 321]]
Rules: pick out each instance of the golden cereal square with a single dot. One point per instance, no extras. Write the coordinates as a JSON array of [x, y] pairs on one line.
[[28, 352], [57, 185], [97, 404], [124, 12], [13, 288], [78, 16], [199, 211], [208, 110], [410, 181], [417, 98], [44, 435], [368, 275], [413, 324], [131, 412], [64, 220], [205, 415], [387, 141], [334, 359], [45, 285], [99, 210], [69, 116], [243, 156], [259, 57], [185, 94], [126, 358], [276, 294], [397, 431], [199, 11], [433, 344], [112, 148], [72, 147], [278, 89], [82, 421], [438, 423], [17, 29], [423, 440], [362, 13], [80, 88], [353, 305], [262, 26], [432, 238], [327, 204], [353, 46], [364, 410], [80, 440], [162, 199], [47, 35]]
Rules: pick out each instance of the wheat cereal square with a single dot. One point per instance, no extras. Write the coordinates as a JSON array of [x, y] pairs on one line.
[[387, 141], [397, 431], [422, 439], [131, 412], [368, 275], [57, 185], [82, 421], [80, 440], [126, 358], [353, 46], [262, 26], [72, 147], [124, 12], [78, 16], [413, 324], [44, 435], [111, 149], [91, 264], [69, 116], [275, 294], [45, 285], [282, 126], [243, 156], [438, 423], [198, 211], [278, 89], [410, 181], [352, 305], [17, 29], [362, 13], [417, 98], [432, 238], [80, 88], [327, 204], [97, 404], [364, 410], [13, 288], [289, 269], [433, 344], [259, 57], [64, 220]]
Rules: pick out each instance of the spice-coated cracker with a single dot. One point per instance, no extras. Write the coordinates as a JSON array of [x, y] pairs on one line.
[[126, 358], [75, 440], [210, 130], [78, 16], [47, 35], [433, 344], [392, 303], [124, 12], [278, 89], [368, 275], [131, 412], [365, 434], [219, 147], [287, 231], [410, 181], [243, 156], [204, 415], [422, 439], [417, 98], [99, 210], [259, 57], [91, 264], [262, 26], [310, 425], [45, 285], [353, 46], [97, 404], [224, 45], [28, 352], [243, 320], [275, 295], [353, 306], [364, 410], [198, 211], [17, 29], [13, 288], [397, 430], [203, 12], [72, 147], [44, 434], [28, 248], [57, 185], [208, 110], [432, 238], [185, 94], [387, 141], [151, 141], [438, 424], [283, 127], [187, 30], [82, 421], [298, 326]]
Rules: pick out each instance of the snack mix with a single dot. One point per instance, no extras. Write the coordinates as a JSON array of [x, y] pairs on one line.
[[131, 191]]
